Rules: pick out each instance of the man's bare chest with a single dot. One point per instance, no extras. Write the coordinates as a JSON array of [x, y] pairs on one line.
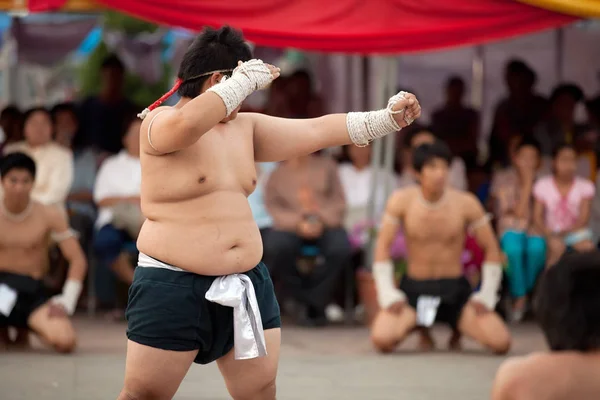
[[442, 224], [25, 235]]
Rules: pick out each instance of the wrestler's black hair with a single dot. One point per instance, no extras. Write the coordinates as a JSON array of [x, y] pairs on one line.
[[529, 142], [16, 161], [211, 50], [428, 152], [568, 303], [560, 147]]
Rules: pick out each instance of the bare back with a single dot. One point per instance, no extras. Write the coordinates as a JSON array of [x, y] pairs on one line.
[[24, 250], [435, 236], [195, 201]]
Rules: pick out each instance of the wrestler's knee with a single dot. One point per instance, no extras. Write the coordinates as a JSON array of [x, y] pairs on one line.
[[382, 340], [500, 342], [382, 344], [257, 389], [63, 342]]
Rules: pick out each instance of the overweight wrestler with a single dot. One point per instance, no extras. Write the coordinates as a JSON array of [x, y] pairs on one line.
[[200, 293], [568, 309], [26, 231], [435, 219]]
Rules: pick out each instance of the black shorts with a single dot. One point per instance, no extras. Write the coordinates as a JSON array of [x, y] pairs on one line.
[[454, 293], [167, 310], [31, 294]]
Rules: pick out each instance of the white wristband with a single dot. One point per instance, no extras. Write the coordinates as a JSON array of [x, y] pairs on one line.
[[364, 127], [69, 296], [491, 278], [387, 292], [248, 77]]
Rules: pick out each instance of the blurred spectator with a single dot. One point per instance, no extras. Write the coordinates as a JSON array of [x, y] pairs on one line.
[[356, 176], [117, 195], [563, 205], [80, 202], [302, 99], [568, 312], [306, 200], [457, 124], [517, 114], [277, 102], [103, 116], [54, 162], [560, 126], [524, 247], [11, 120], [257, 201], [457, 176]]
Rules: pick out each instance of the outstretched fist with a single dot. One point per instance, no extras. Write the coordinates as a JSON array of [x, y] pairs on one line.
[[405, 108]]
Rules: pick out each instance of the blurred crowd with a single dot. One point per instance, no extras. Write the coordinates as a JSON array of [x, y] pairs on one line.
[[538, 181]]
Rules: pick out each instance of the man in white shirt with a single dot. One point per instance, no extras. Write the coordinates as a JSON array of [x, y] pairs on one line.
[[117, 195]]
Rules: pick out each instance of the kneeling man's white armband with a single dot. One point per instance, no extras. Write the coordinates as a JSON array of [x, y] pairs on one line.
[[387, 292]]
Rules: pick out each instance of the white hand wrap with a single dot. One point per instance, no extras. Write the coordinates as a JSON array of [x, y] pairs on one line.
[[364, 127], [247, 78], [69, 296], [491, 278], [387, 292]]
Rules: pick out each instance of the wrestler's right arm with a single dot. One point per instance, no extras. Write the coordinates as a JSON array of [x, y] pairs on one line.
[[383, 268], [177, 128]]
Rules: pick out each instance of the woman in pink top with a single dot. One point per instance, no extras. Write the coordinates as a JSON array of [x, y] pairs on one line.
[[562, 205]]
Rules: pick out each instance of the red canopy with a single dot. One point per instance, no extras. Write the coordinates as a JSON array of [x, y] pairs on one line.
[[353, 26]]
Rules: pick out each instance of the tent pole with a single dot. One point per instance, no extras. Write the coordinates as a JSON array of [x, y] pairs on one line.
[[390, 140], [560, 54], [377, 92], [478, 95]]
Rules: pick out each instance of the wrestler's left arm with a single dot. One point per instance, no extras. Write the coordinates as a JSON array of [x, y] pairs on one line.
[[278, 139], [71, 250], [478, 223]]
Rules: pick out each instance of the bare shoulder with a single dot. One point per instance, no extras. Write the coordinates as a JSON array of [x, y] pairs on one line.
[[522, 378], [53, 216], [401, 198], [467, 198]]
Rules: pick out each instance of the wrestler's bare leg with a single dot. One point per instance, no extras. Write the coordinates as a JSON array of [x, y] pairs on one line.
[[154, 374], [253, 379], [487, 329], [389, 329], [53, 327]]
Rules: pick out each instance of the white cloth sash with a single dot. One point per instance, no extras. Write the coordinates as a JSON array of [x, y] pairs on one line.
[[235, 291]]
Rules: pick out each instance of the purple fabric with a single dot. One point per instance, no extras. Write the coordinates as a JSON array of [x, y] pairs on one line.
[[49, 43], [141, 54]]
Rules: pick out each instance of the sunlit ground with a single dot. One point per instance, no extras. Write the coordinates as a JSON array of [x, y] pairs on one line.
[[334, 363]]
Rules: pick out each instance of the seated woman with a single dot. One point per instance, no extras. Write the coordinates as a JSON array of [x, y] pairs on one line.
[[567, 308], [524, 247], [54, 162], [306, 200], [117, 195], [563, 206]]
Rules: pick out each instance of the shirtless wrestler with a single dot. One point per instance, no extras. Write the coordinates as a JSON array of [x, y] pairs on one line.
[[435, 219], [568, 309], [200, 293], [26, 230]]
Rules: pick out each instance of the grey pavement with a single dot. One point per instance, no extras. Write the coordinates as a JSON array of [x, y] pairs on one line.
[[332, 363]]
